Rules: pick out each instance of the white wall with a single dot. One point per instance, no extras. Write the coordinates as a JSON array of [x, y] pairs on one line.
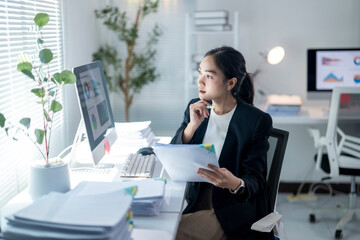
[[81, 39], [161, 101], [295, 25]]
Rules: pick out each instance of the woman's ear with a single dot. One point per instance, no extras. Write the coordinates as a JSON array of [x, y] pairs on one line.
[[231, 83]]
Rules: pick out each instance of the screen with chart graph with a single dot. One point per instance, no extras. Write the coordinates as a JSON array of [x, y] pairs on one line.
[[329, 68], [95, 108]]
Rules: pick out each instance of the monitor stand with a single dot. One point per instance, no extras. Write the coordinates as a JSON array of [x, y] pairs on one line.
[[81, 156]]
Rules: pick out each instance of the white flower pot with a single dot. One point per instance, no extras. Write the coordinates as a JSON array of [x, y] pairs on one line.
[[45, 178]]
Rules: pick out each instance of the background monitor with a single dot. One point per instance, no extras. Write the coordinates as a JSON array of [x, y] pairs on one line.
[[328, 68], [95, 108]]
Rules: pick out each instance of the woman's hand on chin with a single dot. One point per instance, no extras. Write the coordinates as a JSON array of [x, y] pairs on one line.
[[198, 112]]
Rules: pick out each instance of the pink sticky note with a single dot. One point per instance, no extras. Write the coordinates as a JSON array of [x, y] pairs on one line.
[[107, 146]]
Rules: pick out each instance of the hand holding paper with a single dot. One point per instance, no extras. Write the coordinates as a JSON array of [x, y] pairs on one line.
[[182, 161], [220, 177]]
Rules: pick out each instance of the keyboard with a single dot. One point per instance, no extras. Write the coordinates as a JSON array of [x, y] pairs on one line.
[[138, 166]]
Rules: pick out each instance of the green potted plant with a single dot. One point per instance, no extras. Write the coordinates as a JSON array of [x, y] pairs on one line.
[[130, 72], [42, 177]]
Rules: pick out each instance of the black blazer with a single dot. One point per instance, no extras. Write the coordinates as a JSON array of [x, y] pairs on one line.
[[244, 154]]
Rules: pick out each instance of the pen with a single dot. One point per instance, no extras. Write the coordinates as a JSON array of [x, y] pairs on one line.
[[210, 107]]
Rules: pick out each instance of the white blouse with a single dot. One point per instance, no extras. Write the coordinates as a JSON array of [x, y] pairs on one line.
[[217, 129]]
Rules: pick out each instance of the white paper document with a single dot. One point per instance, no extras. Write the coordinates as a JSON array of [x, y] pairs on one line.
[[147, 188], [147, 200], [181, 161], [70, 216], [96, 210], [149, 234]]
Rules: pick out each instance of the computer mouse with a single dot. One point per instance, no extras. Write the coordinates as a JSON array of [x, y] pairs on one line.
[[146, 151]]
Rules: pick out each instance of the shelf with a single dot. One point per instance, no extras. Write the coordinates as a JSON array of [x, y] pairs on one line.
[[198, 42], [211, 32]]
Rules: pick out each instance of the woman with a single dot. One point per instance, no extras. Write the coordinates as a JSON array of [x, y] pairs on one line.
[[237, 196]]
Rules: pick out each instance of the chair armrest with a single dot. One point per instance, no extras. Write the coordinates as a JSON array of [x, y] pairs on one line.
[[267, 223]]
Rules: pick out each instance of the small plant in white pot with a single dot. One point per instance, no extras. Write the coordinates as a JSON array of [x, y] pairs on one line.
[[48, 174]]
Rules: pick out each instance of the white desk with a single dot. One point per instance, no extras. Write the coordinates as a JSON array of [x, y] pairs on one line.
[[167, 221], [299, 156]]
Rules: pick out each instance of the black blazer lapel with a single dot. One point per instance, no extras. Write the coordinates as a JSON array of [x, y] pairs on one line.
[[200, 132]]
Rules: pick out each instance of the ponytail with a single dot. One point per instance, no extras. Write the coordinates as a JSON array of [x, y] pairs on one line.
[[247, 90], [232, 63]]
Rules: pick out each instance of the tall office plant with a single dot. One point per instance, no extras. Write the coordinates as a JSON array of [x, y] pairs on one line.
[[46, 89], [130, 72]]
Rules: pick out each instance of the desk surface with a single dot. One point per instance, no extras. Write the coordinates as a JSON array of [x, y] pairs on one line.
[[311, 115], [163, 226], [166, 223]]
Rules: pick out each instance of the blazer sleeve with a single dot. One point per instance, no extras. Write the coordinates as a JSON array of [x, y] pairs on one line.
[[177, 139], [254, 167]]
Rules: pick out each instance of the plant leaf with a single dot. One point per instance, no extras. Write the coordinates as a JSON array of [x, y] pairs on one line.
[[55, 106], [28, 73], [39, 135], [42, 102], [24, 66], [40, 92], [47, 116], [41, 19], [25, 122], [56, 78], [67, 77], [39, 41], [52, 93], [45, 55], [2, 120]]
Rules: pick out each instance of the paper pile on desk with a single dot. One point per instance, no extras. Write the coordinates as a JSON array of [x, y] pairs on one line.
[[72, 216], [147, 201], [284, 105], [133, 135]]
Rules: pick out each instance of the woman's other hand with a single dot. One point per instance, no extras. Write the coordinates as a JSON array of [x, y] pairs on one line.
[[220, 177]]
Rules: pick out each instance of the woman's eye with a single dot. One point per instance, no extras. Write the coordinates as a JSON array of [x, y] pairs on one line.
[[209, 77]]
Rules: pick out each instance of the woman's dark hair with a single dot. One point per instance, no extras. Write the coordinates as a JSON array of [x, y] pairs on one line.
[[232, 63]]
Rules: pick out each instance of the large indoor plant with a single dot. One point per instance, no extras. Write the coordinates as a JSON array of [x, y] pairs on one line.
[[46, 88], [136, 68]]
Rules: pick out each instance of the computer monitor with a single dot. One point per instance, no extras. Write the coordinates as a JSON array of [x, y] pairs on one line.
[[329, 68], [95, 108]]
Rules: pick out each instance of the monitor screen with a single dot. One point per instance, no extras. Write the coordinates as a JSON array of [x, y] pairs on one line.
[[95, 108], [329, 68]]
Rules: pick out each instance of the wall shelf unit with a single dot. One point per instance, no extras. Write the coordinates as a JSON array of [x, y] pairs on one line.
[[198, 42]]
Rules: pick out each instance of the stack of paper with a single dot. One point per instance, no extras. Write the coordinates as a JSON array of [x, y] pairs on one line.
[[72, 216], [147, 201], [284, 105], [133, 135]]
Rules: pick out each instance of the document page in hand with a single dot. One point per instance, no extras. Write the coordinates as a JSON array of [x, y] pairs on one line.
[[181, 161]]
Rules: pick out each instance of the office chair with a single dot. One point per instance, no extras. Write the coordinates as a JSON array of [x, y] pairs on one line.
[[342, 157], [278, 140]]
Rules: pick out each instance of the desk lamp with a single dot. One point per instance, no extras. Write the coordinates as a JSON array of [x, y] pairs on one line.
[[273, 57]]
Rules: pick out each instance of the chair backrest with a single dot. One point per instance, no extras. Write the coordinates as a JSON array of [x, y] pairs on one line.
[[278, 140], [334, 148]]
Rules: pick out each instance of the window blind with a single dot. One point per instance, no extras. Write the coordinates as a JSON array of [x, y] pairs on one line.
[[16, 100]]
